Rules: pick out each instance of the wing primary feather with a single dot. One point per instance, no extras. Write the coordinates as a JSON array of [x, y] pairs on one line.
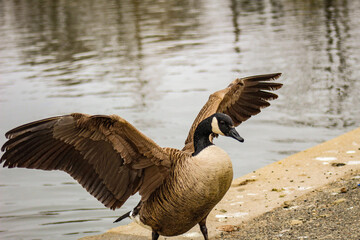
[[98, 189], [263, 77], [254, 102], [17, 140], [246, 108], [45, 123], [91, 184], [88, 179], [106, 198], [63, 159], [51, 164], [105, 154], [114, 203], [47, 157], [19, 156], [265, 86], [240, 116], [265, 95], [102, 192], [75, 163]]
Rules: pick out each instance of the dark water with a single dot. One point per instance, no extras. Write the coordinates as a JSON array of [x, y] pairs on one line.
[[155, 63]]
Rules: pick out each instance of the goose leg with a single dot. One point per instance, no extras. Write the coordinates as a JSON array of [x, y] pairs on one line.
[[203, 228], [154, 235]]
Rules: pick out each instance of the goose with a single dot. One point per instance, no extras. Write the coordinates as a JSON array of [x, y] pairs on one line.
[[113, 160]]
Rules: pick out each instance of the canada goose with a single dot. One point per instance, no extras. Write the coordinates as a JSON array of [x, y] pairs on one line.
[[112, 160]]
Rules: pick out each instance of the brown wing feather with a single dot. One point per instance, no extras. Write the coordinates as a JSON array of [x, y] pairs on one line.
[[243, 98], [109, 157]]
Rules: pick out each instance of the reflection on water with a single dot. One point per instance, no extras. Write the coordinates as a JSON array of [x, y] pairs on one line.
[[155, 63]]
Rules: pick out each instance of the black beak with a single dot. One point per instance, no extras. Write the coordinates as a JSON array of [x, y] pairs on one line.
[[234, 134]]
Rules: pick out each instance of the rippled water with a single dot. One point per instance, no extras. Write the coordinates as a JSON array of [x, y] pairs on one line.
[[155, 64]]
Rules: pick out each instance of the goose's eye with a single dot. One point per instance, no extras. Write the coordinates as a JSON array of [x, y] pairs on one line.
[[222, 122]]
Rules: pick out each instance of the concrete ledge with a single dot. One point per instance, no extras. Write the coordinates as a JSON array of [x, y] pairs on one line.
[[269, 187]]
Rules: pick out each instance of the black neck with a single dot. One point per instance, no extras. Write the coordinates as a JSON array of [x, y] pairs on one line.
[[201, 136]]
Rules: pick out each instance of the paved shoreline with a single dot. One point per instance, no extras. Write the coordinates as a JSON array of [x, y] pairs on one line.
[[330, 212], [263, 193]]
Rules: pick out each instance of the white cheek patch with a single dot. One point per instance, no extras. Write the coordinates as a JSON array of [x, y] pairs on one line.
[[215, 126]]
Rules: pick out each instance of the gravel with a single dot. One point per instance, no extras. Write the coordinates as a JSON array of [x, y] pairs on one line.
[[330, 212]]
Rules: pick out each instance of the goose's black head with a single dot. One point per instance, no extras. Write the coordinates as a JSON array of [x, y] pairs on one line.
[[222, 124], [217, 123]]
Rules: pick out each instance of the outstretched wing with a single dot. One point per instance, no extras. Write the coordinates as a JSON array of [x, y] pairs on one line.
[[242, 99], [108, 156]]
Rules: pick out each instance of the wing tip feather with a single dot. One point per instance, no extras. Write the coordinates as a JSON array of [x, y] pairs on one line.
[[264, 77]]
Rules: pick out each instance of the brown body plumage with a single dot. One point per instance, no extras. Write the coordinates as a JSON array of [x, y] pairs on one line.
[[112, 160], [195, 185]]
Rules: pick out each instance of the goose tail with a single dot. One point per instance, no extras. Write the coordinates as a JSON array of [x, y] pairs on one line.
[[123, 217]]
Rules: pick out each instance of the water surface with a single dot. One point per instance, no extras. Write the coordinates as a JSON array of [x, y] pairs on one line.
[[155, 64]]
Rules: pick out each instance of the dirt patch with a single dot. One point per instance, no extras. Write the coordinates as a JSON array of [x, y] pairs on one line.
[[330, 212]]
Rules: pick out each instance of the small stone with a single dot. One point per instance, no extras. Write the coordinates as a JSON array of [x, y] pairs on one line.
[[222, 210], [296, 222], [343, 190], [287, 204], [277, 189], [340, 200], [246, 181], [227, 228], [338, 164]]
